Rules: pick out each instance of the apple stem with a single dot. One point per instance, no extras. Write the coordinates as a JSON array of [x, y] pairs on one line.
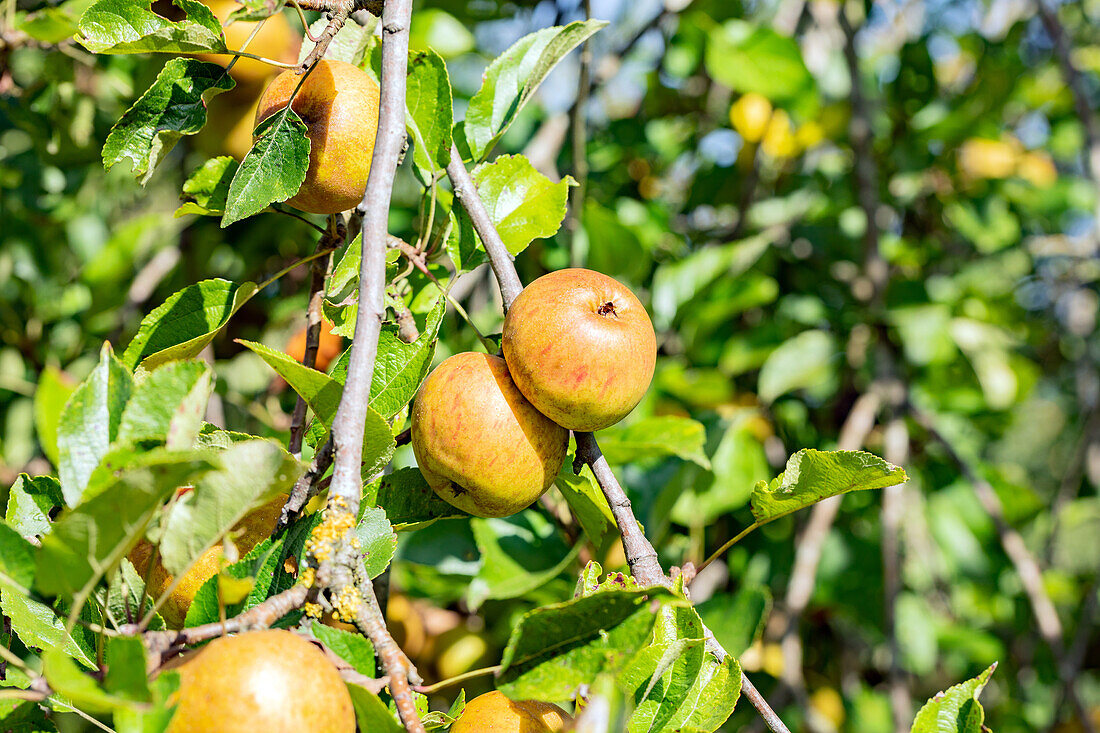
[[644, 564]]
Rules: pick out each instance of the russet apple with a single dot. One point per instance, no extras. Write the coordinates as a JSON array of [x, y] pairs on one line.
[[580, 347], [339, 104], [256, 527], [479, 443], [495, 713], [268, 681], [276, 41]]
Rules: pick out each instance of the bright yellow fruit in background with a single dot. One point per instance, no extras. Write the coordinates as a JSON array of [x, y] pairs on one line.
[[276, 41], [1037, 168], [809, 135], [779, 140], [495, 713], [982, 158], [749, 116]]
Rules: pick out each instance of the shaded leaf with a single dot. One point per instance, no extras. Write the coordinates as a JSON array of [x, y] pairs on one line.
[[555, 648], [755, 58], [186, 322], [174, 106], [518, 554], [377, 540], [654, 437], [408, 500], [371, 713], [587, 502], [802, 362], [206, 191], [737, 619], [53, 391]]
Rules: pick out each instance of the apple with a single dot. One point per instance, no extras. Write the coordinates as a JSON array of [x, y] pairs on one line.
[[481, 446], [580, 347], [339, 104], [271, 680], [256, 526], [276, 41], [329, 346], [495, 713]]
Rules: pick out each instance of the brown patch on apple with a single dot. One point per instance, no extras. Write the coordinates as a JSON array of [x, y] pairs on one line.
[[607, 308]]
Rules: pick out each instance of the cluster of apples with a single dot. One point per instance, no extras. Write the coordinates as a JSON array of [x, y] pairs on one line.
[[275, 680], [490, 434]]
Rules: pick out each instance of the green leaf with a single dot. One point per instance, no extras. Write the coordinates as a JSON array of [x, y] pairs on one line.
[[518, 554], [678, 685], [511, 79], [27, 717], [587, 502], [737, 619], [129, 26], [72, 684], [53, 391], [168, 405], [371, 714], [749, 58], [669, 677], [38, 626], [174, 106], [247, 475], [16, 559], [152, 718], [274, 168], [802, 362], [206, 191], [322, 393], [523, 204], [355, 649], [126, 664], [125, 598], [738, 462], [184, 324], [463, 246], [813, 475], [30, 502], [428, 100], [656, 437], [955, 711], [90, 423], [400, 367], [408, 500], [555, 648], [440, 31], [377, 540], [677, 282], [89, 540]]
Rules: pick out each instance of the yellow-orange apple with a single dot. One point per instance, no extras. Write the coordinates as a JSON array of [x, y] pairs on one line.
[[580, 347], [479, 443], [339, 104], [276, 41], [329, 346], [257, 526], [271, 680], [495, 713]]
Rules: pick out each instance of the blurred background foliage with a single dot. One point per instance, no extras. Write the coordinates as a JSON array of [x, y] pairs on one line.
[[728, 177]]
